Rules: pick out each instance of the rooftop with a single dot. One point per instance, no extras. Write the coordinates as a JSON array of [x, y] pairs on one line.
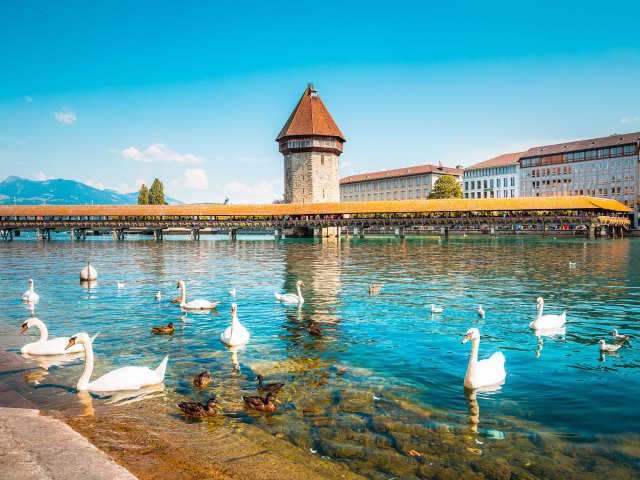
[[401, 172], [499, 161], [610, 141], [310, 117]]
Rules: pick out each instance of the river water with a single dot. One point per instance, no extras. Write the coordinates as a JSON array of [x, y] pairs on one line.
[[381, 390]]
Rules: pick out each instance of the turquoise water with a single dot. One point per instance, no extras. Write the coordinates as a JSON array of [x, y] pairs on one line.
[[561, 399]]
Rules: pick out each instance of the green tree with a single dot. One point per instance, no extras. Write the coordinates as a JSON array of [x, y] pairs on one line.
[[446, 187], [156, 193], [143, 195]]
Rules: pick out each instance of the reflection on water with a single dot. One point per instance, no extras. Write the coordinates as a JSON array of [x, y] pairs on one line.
[[384, 378]]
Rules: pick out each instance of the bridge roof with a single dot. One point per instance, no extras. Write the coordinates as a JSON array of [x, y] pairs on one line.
[[338, 208]]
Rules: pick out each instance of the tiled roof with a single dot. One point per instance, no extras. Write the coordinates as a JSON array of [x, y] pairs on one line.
[[402, 206], [499, 161], [401, 172], [310, 117], [610, 141]]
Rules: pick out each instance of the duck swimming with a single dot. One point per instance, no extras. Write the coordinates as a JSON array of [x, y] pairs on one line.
[[198, 409], [268, 387], [164, 329], [202, 379], [262, 404]]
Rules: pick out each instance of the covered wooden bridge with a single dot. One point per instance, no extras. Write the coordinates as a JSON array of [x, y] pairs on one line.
[[592, 216]]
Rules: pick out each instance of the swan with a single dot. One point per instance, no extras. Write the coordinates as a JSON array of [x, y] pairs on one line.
[[30, 296], [480, 311], [44, 346], [125, 378], [233, 292], [547, 321], [435, 309], [158, 295], [88, 273], [194, 304], [291, 297], [236, 334], [121, 284], [489, 371]]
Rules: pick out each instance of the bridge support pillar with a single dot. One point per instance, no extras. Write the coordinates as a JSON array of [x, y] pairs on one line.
[[277, 233], [603, 232], [73, 234], [592, 232], [358, 232], [399, 232], [7, 234], [233, 233], [157, 234], [195, 234], [444, 231], [621, 231], [493, 231], [326, 232]]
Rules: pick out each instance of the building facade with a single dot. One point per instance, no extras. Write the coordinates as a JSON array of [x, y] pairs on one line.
[[498, 177], [598, 167], [409, 183], [311, 143]]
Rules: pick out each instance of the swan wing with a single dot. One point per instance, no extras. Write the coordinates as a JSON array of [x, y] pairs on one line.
[[240, 336], [549, 321], [200, 305], [126, 378], [289, 298], [54, 346], [490, 370]]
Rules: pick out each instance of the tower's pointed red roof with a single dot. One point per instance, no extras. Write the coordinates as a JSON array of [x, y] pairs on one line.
[[310, 117]]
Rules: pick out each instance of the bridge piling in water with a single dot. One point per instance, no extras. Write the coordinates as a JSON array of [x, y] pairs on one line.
[[233, 233], [399, 233], [195, 234], [277, 233]]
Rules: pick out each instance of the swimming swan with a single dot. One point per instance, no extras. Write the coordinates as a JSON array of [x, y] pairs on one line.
[[194, 304], [30, 296], [547, 321], [125, 378], [489, 371], [291, 297], [480, 311], [435, 309], [236, 334], [55, 346]]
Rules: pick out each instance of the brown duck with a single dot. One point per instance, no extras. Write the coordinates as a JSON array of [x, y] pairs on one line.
[[315, 330], [268, 387], [164, 329], [198, 409], [263, 404], [202, 379]]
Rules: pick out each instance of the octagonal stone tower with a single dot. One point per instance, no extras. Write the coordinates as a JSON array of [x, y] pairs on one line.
[[311, 143]]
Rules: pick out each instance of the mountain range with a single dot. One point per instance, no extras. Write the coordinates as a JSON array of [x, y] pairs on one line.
[[21, 191]]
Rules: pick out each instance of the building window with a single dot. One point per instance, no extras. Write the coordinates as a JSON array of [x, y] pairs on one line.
[[402, 195], [395, 183], [418, 193], [356, 198], [395, 195], [491, 183], [375, 196], [426, 192], [388, 183], [368, 197], [417, 181], [466, 185], [410, 194], [388, 195], [498, 183], [403, 183], [513, 182]]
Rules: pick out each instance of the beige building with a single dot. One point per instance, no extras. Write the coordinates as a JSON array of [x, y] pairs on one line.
[[408, 183], [311, 143]]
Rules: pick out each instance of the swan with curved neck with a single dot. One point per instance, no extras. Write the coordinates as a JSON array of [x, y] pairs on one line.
[[489, 371], [194, 304], [30, 295], [236, 334], [125, 378], [44, 346], [292, 297], [547, 321]]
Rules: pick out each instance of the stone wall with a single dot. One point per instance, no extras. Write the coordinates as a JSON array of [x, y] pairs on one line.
[[311, 177]]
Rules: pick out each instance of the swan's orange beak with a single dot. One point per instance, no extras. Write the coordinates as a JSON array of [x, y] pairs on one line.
[[466, 338], [72, 342], [24, 328]]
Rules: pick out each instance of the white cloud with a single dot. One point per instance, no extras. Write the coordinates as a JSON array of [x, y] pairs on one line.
[[625, 120], [65, 116], [98, 185], [194, 178], [41, 177], [262, 188], [159, 152], [126, 188], [28, 99]]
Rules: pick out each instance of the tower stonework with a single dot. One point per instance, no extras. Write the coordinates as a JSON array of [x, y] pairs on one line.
[[311, 143]]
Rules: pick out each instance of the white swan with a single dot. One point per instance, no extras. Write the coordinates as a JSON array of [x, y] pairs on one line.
[[236, 334], [125, 378], [547, 321], [194, 304], [480, 311], [88, 273], [30, 296], [435, 309], [44, 346], [489, 371], [291, 297], [121, 284]]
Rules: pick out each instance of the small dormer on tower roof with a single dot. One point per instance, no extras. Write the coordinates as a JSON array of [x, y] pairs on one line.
[[310, 118]]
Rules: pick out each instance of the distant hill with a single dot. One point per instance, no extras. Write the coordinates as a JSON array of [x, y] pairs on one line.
[[63, 192]]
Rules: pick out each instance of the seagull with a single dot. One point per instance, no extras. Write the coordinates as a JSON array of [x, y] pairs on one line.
[[121, 284], [376, 398], [618, 336], [158, 295], [435, 309], [608, 348], [572, 264], [480, 311], [232, 292]]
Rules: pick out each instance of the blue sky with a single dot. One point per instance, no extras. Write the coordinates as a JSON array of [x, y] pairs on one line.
[[194, 93]]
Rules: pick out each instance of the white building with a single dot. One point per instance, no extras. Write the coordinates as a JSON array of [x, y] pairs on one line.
[[495, 178]]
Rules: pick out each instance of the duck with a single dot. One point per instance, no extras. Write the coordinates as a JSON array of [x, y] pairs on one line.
[[262, 404], [480, 311], [125, 378], [202, 379], [164, 329], [233, 292], [30, 296], [291, 297], [315, 330], [177, 299], [483, 373], [88, 273], [158, 295], [121, 284], [236, 334], [198, 409], [608, 348], [375, 288], [618, 336], [194, 304], [268, 387], [547, 321], [435, 309], [44, 346]]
